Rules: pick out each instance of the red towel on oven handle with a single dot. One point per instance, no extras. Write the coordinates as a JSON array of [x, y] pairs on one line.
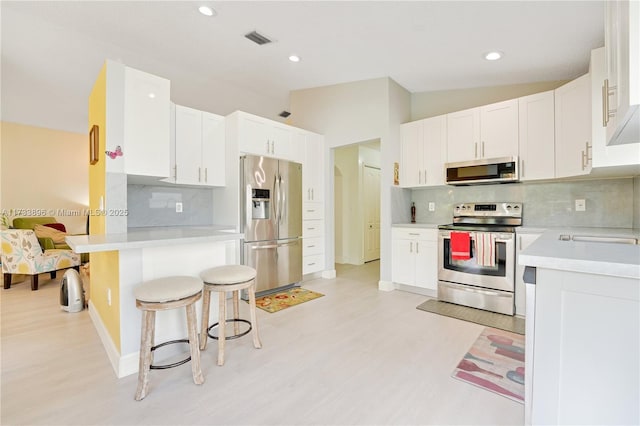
[[460, 246]]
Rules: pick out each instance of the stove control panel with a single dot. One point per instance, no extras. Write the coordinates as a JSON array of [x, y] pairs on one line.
[[488, 210]]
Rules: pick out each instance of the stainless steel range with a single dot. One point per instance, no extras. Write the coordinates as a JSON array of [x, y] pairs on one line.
[[476, 260]]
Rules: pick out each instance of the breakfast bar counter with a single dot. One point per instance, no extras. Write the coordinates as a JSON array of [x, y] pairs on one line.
[[120, 262]]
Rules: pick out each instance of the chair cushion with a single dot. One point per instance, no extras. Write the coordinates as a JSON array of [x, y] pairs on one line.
[[43, 231], [228, 274], [168, 289]]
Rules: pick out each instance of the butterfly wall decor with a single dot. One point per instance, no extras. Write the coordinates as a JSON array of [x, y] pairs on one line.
[[116, 153]]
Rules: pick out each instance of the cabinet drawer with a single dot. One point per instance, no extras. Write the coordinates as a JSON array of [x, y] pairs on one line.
[[311, 264], [311, 246], [311, 211], [415, 234], [313, 228]]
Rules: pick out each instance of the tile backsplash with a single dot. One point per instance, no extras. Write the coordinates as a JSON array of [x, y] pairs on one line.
[[156, 206], [609, 202]]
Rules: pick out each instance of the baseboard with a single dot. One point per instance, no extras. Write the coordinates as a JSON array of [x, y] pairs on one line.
[[122, 365], [329, 274], [418, 290], [386, 286]]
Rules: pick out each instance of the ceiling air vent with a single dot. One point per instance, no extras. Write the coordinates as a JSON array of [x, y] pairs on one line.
[[257, 38]]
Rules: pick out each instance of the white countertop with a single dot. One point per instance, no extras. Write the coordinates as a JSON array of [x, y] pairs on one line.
[[152, 237], [415, 225], [614, 259]]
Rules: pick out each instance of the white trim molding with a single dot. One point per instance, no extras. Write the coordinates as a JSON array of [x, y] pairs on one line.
[[386, 285]]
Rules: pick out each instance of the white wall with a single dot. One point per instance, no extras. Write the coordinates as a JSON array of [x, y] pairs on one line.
[[348, 207], [350, 113], [431, 104]]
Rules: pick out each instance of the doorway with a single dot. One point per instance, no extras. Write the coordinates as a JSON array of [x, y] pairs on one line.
[[357, 203]]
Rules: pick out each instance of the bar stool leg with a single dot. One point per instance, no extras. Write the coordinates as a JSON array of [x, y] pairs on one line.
[[206, 307], [222, 322], [252, 310], [146, 338], [236, 312], [192, 325]]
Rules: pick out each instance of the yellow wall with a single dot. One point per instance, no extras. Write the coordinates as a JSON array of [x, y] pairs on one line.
[[45, 170], [104, 266]]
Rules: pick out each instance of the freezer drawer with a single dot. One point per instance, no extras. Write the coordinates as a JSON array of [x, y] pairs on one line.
[[476, 297], [278, 262]]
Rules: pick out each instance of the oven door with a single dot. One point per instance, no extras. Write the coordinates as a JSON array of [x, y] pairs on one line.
[[498, 277]]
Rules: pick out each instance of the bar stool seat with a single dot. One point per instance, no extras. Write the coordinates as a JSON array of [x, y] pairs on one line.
[[223, 279], [159, 295]]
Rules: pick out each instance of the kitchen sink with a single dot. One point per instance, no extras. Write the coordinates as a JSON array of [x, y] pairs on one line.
[[598, 239]]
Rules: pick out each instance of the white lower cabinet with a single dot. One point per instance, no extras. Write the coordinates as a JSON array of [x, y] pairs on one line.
[[312, 238], [415, 257], [524, 240]]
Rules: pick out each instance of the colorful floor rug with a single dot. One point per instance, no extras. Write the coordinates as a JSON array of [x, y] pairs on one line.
[[279, 301], [495, 362]]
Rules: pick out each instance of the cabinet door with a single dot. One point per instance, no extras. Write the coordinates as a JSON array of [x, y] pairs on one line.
[[463, 135], [426, 255], [537, 136], [523, 241], [280, 140], [313, 168], [499, 130], [147, 117], [411, 135], [403, 261], [188, 145], [434, 150], [254, 137], [573, 127], [213, 150]]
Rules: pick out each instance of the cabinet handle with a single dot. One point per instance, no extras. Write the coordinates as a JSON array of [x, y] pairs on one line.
[[606, 92], [417, 248], [309, 194], [273, 149], [411, 247], [425, 176], [199, 170], [587, 148], [521, 168], [175, 171], [482, 150], [520, 243], [206, 174], [475, 150], [312, 196], [414, 233]]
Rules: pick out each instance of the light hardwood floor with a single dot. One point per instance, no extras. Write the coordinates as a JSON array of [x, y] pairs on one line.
[[355, 356]]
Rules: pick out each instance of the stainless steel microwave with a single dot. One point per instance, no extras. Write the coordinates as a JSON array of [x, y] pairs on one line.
[[485, 171]]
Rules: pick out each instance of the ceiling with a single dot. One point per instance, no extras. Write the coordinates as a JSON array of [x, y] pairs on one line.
[[53, 51]]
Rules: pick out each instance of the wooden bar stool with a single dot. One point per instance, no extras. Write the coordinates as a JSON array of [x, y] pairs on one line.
[[160, 295], [223, 279]]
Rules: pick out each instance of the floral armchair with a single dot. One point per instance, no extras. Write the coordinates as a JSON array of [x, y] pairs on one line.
[[22, 254]]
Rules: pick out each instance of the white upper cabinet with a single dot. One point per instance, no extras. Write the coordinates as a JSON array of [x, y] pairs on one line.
[[147, 118], [423, 152], [489, 131], [499, 130], [199, 148], [313, 167], [607, 156], [261, 136], [573, 127], [537, 136], [463, 135], [621, 85], [411, 146]]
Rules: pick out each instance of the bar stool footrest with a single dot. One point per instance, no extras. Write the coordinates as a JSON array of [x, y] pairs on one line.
[[234, 336], [175, 364]]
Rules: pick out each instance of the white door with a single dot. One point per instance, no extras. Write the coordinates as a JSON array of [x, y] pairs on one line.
[[371, 213]]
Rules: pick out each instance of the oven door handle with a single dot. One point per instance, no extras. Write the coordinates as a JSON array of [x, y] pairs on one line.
[[497, 240]]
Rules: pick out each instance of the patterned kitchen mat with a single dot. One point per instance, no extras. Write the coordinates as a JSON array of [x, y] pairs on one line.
[[490, 319], [285, 299]]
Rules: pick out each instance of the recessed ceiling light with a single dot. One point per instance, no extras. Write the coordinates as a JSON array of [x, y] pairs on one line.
[[294, 58], [206, 11], [493, 56], [152, 95]]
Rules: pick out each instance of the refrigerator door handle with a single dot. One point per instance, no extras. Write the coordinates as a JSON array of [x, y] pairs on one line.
[[272, 246], [276, 205], [283, 201]]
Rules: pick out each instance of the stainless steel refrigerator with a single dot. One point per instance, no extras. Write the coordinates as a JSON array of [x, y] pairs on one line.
[[271, 216]]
